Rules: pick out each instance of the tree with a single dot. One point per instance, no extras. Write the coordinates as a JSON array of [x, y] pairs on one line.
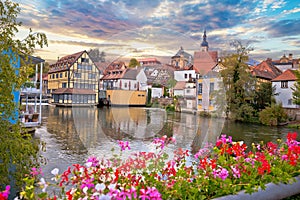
[[263, 96], [296, 89], [96, 55], [17, 153], [133, 63], [237, 80]]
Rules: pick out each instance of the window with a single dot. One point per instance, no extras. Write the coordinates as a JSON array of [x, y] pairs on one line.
[[56, 75], [60, 75], [200, 88], [211, 87], [284, 84], [290, 102], [125, 85], [91, 76], [85, 60], [185, 76], [190, 75], [66, 74], [77, 75], [64, 85], [200, 101]]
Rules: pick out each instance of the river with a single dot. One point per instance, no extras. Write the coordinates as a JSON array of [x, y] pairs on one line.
[[71, 135]]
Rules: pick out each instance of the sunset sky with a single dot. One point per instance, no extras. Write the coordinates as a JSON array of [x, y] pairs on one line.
[[133, 28]]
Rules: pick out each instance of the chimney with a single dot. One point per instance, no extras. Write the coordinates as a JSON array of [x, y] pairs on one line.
[[290, 57]]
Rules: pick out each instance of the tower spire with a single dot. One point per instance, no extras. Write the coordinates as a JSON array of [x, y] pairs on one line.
[[204, 44]]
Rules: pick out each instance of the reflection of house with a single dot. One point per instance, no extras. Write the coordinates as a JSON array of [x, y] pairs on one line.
[[265, 71], [283, 86], [205, 60], [73, 80], [182, 59]]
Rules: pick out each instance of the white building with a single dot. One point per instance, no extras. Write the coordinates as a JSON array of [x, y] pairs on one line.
[[283, 86]]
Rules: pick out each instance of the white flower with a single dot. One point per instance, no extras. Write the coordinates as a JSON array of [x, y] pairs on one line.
[[100, 187], [43, 184], [85, 189], [88, 164], [55, 171], [111, 186]]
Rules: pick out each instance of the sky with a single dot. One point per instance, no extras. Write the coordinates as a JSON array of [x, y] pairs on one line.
[[158, 28]]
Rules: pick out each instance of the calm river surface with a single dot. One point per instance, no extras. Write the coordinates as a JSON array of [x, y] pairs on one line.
[[71, 135]]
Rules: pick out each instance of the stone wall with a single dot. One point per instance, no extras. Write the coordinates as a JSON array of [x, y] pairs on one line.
[[293, 113]]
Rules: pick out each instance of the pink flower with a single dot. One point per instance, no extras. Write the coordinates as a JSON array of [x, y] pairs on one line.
[[6, 192], [35, 171], [124, 145], [94, 161], [236, 172], [221, 173]]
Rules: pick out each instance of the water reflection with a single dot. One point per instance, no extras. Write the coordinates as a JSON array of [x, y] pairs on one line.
[[80, 130], [73, 134]]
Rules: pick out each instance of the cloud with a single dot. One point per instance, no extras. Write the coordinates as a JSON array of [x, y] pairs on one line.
[[288, 27]]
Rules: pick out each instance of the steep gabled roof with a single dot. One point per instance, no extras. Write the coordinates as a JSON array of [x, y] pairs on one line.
[[288, 75], [131, 74], [266, 70], [65, 62], [204, 61]]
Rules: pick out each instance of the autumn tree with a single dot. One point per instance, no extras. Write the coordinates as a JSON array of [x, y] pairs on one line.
[[238, 82], [17, 153], [133, 63]]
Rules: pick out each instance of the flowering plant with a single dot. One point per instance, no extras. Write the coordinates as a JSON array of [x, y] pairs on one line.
[[226, 168]]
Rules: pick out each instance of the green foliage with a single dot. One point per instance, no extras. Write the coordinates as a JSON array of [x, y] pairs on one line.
[[133, 63], [263, 95], [273, 115], [237, 80], [17, 152], [245, 113], [296, 89], [170, 107]]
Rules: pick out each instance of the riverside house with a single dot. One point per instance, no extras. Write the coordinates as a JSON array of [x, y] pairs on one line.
[[283, 86], [122, 86], [73, 81]]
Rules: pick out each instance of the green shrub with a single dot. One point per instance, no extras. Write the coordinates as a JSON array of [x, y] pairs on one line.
[[273, 115]]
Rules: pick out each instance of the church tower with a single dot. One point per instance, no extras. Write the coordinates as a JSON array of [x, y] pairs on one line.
[[204, 44]]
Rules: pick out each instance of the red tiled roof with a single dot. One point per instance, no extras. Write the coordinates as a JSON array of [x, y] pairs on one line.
[[204, 61], [266, 70], [147, 60], [180, 85], [65, 62], [73, 91], [288, 75]]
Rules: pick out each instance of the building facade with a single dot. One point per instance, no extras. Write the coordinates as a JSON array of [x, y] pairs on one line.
[[73, 81], [283, 87]]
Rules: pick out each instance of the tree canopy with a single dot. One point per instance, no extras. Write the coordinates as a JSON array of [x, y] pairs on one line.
[[133, 63], [238, 82], [16, 151]]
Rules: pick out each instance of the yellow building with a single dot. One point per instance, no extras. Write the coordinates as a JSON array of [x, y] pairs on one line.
[[73, 81]]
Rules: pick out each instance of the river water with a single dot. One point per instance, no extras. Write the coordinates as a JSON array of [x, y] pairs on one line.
[[71, 135]]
